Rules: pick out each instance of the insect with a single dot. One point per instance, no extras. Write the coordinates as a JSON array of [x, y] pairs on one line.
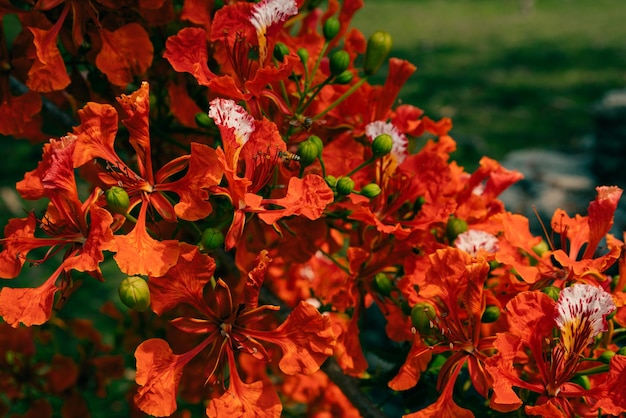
[[287, 156], [305, 122]]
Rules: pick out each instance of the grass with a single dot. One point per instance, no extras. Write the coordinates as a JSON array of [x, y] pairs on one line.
[[508, 80]]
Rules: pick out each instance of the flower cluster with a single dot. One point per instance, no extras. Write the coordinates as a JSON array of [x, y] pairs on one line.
[[261, 197]]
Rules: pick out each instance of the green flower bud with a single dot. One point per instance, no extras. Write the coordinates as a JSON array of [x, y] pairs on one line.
[[304, 55], [382, 284], [117, 200], [318, 142], [491, 314], [345, 186], [339, 62], [422, 315], [134, 293], [552, 291], [280, 51], [203, 120], [378, 47], [582, 381], [308, 152], [541, 248], [621, 351], [343, 78], [331, 181], [331, 28], [606, 356], [455, 227], [212, 239], [371, 190], [382, 145]]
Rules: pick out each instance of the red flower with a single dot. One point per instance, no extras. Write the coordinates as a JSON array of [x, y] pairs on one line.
[[228, 323]]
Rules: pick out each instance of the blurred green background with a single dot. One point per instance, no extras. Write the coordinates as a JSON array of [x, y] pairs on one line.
[[509, 78]]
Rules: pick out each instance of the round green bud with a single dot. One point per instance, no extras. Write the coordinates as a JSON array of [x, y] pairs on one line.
[[382, 145], [212, 239], [308, 152], [117, 200], [621, 351], [280, 51], [338, 62], [382, 284], [541, 248], [491, 314], [454, 227], [371, 190], [378, 47], [318, 142], [343, 78], [304, 55], [345, 186], [552, 291], [134, 293], [203, 120], [331, 181], [422, 316], [606, 356], [582, 381], [331, 28]]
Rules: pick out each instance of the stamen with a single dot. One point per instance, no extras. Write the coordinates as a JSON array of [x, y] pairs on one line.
[[400, 143]]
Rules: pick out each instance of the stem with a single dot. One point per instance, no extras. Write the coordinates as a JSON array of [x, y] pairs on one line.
[[338, 264], [360, 166]]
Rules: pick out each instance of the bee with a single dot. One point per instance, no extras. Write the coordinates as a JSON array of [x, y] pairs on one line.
[[287, 156], [305, 122]]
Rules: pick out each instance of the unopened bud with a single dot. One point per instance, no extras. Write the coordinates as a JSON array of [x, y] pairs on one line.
[[345, 186], [318, 142], [203, 120], [454, 228], [331, 28], [280, 51], [134, 293], [308, 152], [382, 145], [541, 248], [378, 47], [304, 55], [491, 314], [422, 316], [212, 239], [371, 190], [117, 200], [552, 291], [343, 78], [338, 62], [331, 181], [583, 381], [382, 284], [606, 356]]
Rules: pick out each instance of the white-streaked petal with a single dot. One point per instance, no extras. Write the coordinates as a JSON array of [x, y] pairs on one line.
[[269, 12], [400, 143], [227, 113], [580, 313], [472, 241]]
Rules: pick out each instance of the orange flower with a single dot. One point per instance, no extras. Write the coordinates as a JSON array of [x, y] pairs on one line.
[[227, 323]]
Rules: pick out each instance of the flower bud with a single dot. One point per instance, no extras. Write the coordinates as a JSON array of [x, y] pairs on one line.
[[606, 356], [308, 152], [304, 55], [343, 78], [371, 190], [134, 293], [382, 284], [117, 200], [378, 47], [382, 145], [622, 351], [318, 142], [422, 315], [331, 181], [212, 239], [338, 62], [345, 186], [203, 120], [491, 314], [455, 227], [583, 381], [552, 291], [541, 248], [280, 51], [331, 28]]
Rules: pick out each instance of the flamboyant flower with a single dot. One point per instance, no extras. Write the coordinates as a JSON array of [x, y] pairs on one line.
[[474, 241], [549, 364], [229, 323], [258, 146], [82, 230]]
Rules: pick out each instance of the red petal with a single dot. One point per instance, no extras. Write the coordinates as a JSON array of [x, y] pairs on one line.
[[48, 72], [125, 53], [187, 52], [16, 112], [30, 306]]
